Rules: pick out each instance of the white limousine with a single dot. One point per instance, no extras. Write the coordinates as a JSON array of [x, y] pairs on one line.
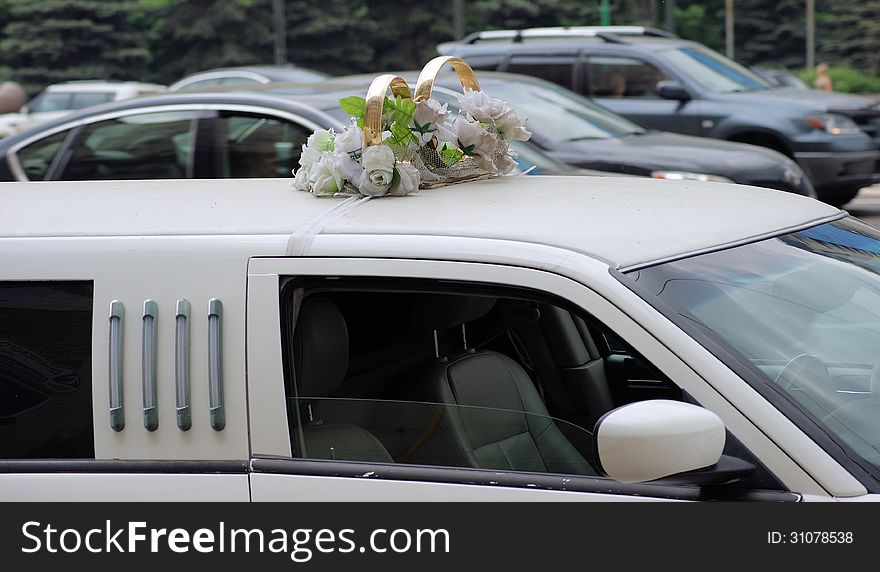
[[518, 338]]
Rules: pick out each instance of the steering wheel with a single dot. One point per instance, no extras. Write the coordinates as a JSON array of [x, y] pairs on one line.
[[809, 374]]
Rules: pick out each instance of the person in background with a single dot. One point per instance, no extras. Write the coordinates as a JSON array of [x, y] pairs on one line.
[[823, 81]]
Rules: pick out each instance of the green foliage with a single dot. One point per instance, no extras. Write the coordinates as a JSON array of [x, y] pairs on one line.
[[701, 22], [450, 155], [849, 33], [58, 40], [845, 79], [187, 36], [399, 113], [354, 106]]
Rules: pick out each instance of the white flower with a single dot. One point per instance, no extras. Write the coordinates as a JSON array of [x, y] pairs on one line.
[[511, 127], [324, 179], [482, 107], [301, 179], [476, 142], [378, 164], [504, 163], [425, 118], [409, 180], [351, 139], [346, 148], [321, 140]]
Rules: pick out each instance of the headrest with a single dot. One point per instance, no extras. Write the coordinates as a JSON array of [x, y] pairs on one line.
[[443, 311], [321, 348]]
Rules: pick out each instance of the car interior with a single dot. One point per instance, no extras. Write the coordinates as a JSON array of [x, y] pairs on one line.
[[457, 379]]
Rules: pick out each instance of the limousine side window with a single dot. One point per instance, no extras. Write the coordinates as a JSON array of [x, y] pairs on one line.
[[452, 378], [45, 370]]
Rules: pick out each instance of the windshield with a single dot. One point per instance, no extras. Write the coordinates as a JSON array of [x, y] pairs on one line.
[[712, 71], [560, 115], [804, 310]]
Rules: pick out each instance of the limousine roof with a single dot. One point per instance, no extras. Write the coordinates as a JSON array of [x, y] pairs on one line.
[[623, 221]]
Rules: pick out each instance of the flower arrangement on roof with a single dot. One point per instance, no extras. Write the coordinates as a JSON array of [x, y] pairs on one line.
[[395, 146]]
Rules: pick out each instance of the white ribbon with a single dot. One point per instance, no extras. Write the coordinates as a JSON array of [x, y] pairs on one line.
[[301, 239]]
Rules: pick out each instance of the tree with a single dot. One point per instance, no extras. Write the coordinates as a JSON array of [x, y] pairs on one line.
[[192, 35], [58, 40], [848, 32]]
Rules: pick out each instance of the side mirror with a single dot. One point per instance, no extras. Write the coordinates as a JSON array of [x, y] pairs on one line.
[[650, 440], [671, 89]]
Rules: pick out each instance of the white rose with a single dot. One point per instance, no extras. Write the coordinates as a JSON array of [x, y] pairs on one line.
[[425, 118], [351, 139], [512, 127], [301, 179], [482, 107], [325, 180], [409, 180], [346, 147], [308, 157], [505, 163], [321, 140], [378, 164], [475, 142]]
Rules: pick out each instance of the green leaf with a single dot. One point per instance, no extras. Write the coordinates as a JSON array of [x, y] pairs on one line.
[[400, 133], [354, 105], [450, 154], [395, 178]]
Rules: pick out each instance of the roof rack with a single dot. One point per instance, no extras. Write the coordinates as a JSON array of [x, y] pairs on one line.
[[607, 33]]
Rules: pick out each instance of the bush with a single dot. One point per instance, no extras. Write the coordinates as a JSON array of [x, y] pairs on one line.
[[845, 79]]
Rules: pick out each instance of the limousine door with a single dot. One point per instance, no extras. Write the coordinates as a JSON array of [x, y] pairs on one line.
[[362, 426]]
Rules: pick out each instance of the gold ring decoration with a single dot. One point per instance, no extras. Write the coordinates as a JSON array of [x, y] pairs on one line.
[[412, 140], [375, 104], [425, 83]]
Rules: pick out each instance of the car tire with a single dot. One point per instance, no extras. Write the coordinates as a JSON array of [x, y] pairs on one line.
[[839, 196]]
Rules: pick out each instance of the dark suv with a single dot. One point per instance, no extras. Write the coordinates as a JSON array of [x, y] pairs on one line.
[[665, 83]]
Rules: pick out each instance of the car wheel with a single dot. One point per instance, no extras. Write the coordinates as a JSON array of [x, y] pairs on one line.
[[839, 196]]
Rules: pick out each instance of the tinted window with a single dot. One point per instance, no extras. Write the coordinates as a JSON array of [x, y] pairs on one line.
[[450, 379], [713, 71], [37, 157], [259, 146], [558, 72], [88, 99], [148, 146], [622, 77], [45, 370]]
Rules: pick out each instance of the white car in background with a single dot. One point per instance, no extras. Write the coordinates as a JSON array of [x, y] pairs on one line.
[[62, 98]]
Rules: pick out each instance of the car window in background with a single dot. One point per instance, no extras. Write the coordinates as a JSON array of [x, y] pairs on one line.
[[148, 146], [89, 98], [712, 71], [260, 146], [37, 157], [553, 70], [561, 113], [622, 77], [47, 102]]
